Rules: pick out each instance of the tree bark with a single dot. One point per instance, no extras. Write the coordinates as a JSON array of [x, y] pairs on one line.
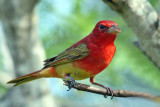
[[144, 22], [19, 23]]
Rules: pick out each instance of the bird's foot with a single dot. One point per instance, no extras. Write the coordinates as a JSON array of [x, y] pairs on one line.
[[109, 90], [70, 82]]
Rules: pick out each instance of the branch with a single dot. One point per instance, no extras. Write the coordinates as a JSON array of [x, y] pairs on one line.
[[116, 93]]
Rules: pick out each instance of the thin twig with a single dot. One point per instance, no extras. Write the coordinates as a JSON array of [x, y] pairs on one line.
[[116, 93]]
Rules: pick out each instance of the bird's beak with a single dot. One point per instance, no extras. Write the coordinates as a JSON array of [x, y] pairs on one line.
[[114, 29]]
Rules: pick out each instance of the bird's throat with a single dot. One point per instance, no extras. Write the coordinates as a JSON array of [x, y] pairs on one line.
[[104, 40]]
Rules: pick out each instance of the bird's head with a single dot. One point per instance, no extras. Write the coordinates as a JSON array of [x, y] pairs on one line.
[[106, 27]]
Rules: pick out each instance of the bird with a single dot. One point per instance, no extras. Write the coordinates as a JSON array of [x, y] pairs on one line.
[[84, 59]]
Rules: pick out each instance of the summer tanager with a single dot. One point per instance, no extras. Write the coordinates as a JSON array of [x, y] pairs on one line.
[[84, 59]]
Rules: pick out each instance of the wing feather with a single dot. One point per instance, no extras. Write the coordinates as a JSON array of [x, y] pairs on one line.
[[69, 55]]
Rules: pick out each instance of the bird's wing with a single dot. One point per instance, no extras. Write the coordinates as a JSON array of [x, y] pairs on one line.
[[72, 54]]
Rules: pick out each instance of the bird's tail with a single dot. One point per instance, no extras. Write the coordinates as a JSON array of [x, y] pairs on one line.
[[48, 72]]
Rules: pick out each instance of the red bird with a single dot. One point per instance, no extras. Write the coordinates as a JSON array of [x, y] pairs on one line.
[[84, 59]]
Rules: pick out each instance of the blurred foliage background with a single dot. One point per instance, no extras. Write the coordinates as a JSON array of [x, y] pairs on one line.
[[62, 23]]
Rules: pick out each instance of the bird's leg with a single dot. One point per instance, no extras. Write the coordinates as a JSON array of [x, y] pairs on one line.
[[92, 80], [69, 80]]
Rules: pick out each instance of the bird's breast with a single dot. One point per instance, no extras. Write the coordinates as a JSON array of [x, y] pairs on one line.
[[98, 59]]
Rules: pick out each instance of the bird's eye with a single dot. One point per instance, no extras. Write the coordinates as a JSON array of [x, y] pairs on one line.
[[101, 26]]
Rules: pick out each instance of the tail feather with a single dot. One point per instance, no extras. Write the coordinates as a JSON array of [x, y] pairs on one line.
[[25, 78], [47, 72]]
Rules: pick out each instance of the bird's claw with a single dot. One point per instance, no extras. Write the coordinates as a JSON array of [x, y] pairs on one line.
[[70, 81], [109, 90]]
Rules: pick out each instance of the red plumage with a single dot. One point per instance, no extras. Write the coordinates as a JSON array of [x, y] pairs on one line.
[[84, 59]]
